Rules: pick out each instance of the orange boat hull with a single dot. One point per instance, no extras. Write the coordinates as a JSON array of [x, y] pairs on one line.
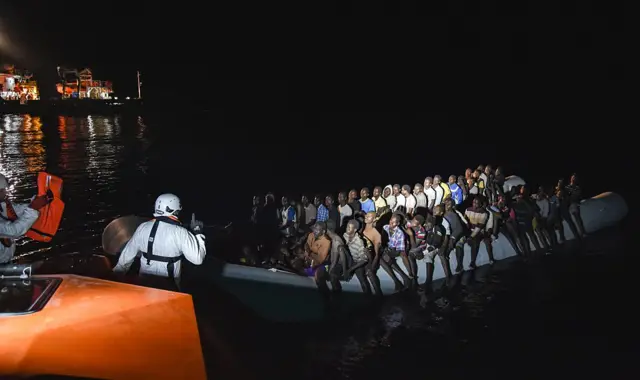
[[101, 329]]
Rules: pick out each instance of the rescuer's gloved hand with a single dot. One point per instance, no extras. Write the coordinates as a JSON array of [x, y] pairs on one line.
[[196, 226], [39, 202]]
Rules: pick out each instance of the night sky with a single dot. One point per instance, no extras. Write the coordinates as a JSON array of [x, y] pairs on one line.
[[550, 83]]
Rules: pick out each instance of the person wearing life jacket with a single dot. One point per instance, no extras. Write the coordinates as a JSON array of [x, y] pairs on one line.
[[163, 242], [15, 219]]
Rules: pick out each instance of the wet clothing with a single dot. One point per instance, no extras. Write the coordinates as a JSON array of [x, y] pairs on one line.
[[162, 242], [356, 247], [319, 247], [15, 221]]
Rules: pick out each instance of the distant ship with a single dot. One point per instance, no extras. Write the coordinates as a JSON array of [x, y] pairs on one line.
[[17, 85]]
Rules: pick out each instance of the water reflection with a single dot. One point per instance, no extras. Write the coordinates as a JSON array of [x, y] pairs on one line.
[[22, 153]]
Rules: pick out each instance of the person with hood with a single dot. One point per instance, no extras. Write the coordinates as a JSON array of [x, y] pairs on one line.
[[163, 243], [388, 195], [15, 219]]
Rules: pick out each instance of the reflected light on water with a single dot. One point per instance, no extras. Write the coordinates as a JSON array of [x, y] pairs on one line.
[[12, 157]]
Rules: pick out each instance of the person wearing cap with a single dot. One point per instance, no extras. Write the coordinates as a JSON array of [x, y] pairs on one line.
[[15, 219]]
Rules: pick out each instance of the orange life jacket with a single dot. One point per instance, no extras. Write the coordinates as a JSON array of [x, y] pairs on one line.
[[50, 215]]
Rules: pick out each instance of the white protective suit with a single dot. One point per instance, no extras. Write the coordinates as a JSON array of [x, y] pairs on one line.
[[16, 229], [171, 241]]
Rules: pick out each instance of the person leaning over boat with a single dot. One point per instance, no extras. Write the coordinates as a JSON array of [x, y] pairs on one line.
[[15, 219], [163, 243]]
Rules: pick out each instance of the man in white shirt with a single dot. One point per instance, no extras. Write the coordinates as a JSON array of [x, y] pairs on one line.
[[410, 200], [430, 193], [421, 198], [400, 199]]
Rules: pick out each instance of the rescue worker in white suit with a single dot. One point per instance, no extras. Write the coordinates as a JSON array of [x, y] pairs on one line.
[[163, 242], [15, 220]]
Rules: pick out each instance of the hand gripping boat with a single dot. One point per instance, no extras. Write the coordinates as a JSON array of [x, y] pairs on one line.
[[71, 326]]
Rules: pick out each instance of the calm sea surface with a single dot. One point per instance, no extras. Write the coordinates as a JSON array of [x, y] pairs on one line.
[[568, 316]]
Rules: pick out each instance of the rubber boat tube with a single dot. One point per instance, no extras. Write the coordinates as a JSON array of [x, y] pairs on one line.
[[599, 212]]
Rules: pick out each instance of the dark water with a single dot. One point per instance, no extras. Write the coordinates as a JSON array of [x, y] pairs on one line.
[[568, 316]]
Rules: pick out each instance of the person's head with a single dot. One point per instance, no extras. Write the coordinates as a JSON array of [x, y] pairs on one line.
[[352, 227], [417, 221], [471, 182], [395, 221], [317, 200], [342, 198], [377, 191], [417, 188], [257, 200], [285, 202], [269, 199], [437, 179], [461, 180], [476, 174], [167, 205], [541, 193], [353, 195], [305, 200], [452, 179], [468, 172], [480, 168], [499, 170], [329, 201], [448, 204], [364, 193], [370, 217], [386, 192], [406, 190], [4, 186], [396, 189], [319, 229], [438, 210], [428, 182], [331, 225], [524, 191], [488, 170], [574, 179], [477, 203], [429, 222]]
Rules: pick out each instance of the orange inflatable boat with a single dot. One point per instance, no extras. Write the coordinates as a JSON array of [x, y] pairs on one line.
[[45, 228], [68, 325]]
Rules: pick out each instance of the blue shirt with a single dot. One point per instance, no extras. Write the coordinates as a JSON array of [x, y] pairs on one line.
[[368, 205], [456, 193], [323, 214]]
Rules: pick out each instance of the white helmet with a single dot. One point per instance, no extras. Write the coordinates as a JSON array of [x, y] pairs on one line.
[[3, 182], [167, 205]]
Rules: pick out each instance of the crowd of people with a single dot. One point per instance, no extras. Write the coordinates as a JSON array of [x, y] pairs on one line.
[[332, 241]]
